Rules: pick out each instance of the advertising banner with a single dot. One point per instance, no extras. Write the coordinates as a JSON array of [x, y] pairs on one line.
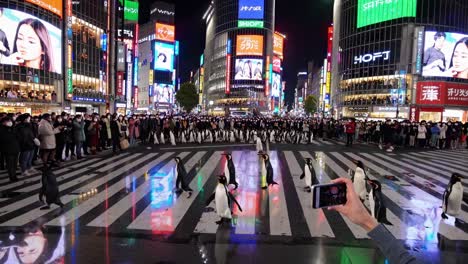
[[165, 32], [227, 89], [251, 9], [250, 24], [376, 11], [164, 57], [445, 55], [457, 94], [276, 64], [164, 93], [249, 69], [278, 43], [30, 42], [54, 6], [276, 85], [442, 93], [121, 56], [250, 45], [120, 80], [130, 10]]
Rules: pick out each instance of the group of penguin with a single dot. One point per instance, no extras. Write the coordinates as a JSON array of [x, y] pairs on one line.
[[363, 185]]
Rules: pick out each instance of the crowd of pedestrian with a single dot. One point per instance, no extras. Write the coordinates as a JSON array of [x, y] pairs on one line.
[[54, 138]]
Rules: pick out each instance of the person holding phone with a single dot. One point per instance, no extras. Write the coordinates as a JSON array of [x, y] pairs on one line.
[[355, 211]]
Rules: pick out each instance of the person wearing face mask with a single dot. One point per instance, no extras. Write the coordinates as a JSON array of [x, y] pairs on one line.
[[9, 146], [422, 134], [47, 137], [25, 136], [455, 136], [78, 135], [442, 135], [448, 135], [413, 131], [60, 138], [93, 132]]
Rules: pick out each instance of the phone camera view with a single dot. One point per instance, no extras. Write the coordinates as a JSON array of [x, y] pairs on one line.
[[331, 195]]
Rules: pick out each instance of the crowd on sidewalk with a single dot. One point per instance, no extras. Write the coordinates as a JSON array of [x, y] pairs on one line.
[[54, 138]]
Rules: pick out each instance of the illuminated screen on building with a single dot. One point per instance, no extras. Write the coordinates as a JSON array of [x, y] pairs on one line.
[[30, 42], [54, 6], [164, 93], [251, 9], [278, 42], [163, 57], [165, 32], [376, 11], [250, 45], [445, 55], [249, 69], [276, 85], [130, 9]]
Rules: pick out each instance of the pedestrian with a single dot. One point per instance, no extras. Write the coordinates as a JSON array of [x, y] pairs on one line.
[[78, 135], [9, 146], [421, 136], [26, 140], [93, 133], [350, 128], [115, 134], [47, 138], [60, 138]]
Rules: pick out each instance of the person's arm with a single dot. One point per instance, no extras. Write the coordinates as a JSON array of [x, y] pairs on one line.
[[357, 213]]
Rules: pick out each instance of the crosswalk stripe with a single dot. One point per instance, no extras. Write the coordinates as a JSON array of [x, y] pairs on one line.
[[144, 221], [117, 210], [443, 167], [451, 153], [87, 205], [444, 160], [325, 142], [315, 218]]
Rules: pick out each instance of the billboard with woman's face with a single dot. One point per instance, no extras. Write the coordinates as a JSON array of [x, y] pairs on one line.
[[29, 42], [445, 55], [163, 57], [164, 93]]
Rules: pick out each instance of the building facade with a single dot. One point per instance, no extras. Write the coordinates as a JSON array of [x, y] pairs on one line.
[[400, 59], [238, 58]]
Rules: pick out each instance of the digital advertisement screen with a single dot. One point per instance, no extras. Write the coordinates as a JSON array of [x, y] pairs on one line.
[[164, 93], [251, 9], [276, 85], [376, 11], [165, 32], [276, 64], [29, 42], [249, 69], [278, 42], [54, 6], [130, 10], [163, 57], [445, 55], [251, 45]]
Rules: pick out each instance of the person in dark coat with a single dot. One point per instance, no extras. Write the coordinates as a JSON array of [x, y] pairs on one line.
[[60, 138], [9, 146], [115, 134], [25, 136]]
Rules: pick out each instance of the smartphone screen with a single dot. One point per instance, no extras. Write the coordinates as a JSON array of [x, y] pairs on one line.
[[325, 195]]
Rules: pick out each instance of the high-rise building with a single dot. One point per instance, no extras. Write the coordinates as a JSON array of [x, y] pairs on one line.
[[239, 54], [158, 53], [400, 59]]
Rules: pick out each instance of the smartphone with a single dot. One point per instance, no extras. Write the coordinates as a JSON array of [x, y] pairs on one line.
[[325, 195]]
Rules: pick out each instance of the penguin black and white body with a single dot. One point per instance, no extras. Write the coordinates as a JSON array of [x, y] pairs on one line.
[[308, 174], [259, 145], [49, 189], [452, 197], [162, 141], [223, 200], [359, 180], [172, 138], [376, 202], [181, 178], [230, 171], [268, 171]]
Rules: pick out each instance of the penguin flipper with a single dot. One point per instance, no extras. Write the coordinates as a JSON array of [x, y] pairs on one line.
[[235, 201], [210, 199], [302, 176]]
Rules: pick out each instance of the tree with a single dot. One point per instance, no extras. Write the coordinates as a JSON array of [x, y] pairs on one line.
[[310, 105], [187, 96]]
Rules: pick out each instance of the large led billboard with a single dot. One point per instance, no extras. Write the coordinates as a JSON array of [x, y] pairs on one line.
[[278, 42], [164, 93], [276, 85], [130, 9], [445, 55], [54, 6], [249, 69], [251, 9], [165, 32], [250, 45], [376, 11], [30, 42], [163, 57]]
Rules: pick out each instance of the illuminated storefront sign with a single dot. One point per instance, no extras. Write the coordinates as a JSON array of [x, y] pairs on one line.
[[129, 77], [120, 80], [165, 32], [251, 9], [130, 10], [376, 11], [249, 45], [250, 24], [372, 57], [69, 52], [135, 71], [135, 92], [442, 93]]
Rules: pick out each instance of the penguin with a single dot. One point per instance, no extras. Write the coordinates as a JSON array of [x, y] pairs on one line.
[[181, 177], [172, 137], [268, 171], [272, 137], [199, 138], [183, 138], [155, 137], [376, 202], [241, 137], [49, 189], [192, 139], [223, 200], [163, 141], [232, 138], [259, 145], [230, 171], [452, 197], [359, 180], [308, 174]]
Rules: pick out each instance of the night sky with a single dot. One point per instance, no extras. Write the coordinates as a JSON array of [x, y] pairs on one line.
[[304, 22]]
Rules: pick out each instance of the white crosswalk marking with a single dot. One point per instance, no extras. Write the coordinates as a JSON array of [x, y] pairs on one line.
[[414, 210]]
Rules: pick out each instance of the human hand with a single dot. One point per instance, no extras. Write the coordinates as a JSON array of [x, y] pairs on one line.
[[354, 209]]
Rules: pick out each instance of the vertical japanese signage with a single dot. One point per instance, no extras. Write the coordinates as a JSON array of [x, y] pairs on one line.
[[135, 71], [329, 63], [129, 77], [69, 51], [278, 44], [268, 76], [135, 92], [228, 67], [151, 77], [120, 80]]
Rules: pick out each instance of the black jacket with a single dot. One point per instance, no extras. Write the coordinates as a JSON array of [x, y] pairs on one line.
[[8, 142], [25, 136]]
